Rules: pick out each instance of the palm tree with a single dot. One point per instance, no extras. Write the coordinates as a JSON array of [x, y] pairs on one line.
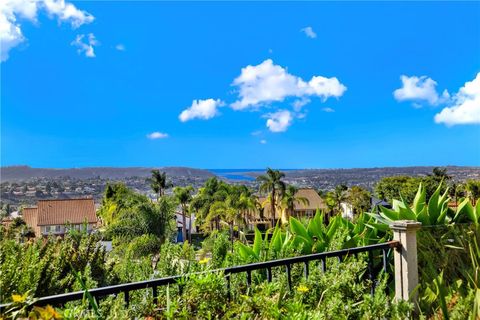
[[159, 183], [183, 197], [289, 199], [339, 195], [473, 190], [272, 183]]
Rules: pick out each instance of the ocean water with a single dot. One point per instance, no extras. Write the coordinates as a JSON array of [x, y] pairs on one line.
[[238, 174]]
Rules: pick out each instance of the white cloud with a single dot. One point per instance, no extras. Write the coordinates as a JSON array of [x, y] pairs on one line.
[[256, 133], [120, 47], [298, 104], [67, 12], [267, 82], [466, 106], [328, 110], [11, 11], [309, 32], [201, 109], [263, 141], [87, 46], [279, 121], [157, 135], [419, 89]]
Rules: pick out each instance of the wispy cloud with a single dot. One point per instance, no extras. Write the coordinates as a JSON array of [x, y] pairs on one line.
[[157, 135], [120, 47], [86, 46], [11, 34], [327, 109], [263, 141], [309, 32]]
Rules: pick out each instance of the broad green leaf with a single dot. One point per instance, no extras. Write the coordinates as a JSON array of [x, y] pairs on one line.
[[388, 214], [477, 211], [423, 217], [245, 251], [257, 242], [419, 202], [378, 226], [315, 225], [405, 213], [433, 205], [297, 228], [442, 216], [466, 209], [332, 228]]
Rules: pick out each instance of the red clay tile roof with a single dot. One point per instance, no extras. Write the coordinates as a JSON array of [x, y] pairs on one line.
[[30, 216], [59, 212]]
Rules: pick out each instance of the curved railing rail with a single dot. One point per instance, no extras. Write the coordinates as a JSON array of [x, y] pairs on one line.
[[248, 268]]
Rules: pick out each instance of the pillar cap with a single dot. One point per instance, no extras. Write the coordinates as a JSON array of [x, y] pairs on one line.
[[406, 225]]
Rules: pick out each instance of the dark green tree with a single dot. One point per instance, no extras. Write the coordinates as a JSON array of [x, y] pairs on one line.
[[271, 183]]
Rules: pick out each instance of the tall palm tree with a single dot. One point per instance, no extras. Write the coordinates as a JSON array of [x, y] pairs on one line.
[[272, 183], [339, 195], [183, 197], [159, 183], [290, 198]]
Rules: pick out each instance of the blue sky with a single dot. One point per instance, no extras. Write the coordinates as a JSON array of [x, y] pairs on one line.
[[323, 89]]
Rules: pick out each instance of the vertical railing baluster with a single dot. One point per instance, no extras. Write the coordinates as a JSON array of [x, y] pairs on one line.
[[228, 286], [305, 269], [127, 297], [249, 278], [370, 271], [269, 274], [385, 252], [289, 276], [385, 267], [324, 264], [155, 294]]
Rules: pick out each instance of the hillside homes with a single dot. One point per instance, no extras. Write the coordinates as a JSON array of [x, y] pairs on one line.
[[53, 216], [301, 209]]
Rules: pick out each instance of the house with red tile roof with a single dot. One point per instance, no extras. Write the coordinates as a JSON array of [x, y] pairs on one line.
[[56, 216]]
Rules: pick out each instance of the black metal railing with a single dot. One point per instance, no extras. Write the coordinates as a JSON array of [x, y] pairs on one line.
[[248, 268]]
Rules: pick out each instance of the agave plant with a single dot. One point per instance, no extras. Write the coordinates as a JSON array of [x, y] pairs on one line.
[[435, 212], [467, 212], [314, 237]]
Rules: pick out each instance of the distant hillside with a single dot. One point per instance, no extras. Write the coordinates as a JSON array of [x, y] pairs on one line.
[[17, 173]]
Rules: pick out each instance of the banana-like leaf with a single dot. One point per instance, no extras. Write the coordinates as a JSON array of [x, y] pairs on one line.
[[246, 252], [257, 243], [277, 241], [297, 228], [305, 243], [316, 225], [332, 228]]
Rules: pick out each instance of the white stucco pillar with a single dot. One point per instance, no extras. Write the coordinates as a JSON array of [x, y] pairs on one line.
[[406, 263]]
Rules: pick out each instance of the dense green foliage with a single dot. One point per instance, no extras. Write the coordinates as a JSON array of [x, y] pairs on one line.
[[448, 251], [45, 267]]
